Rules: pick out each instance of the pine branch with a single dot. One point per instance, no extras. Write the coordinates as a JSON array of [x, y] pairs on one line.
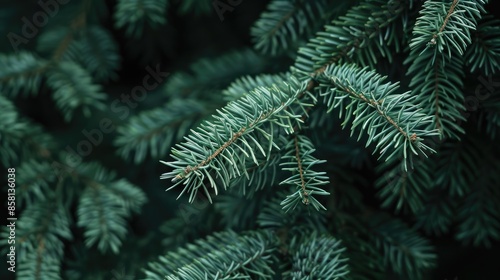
[[216, 143], [451, 31], [435, 77], [484, 54], [154, 131], [224, 255], [299, 160], [35, 183], [104, 205], [405, 252], [19, 138], [39, 240], [97, 52], [353, 35], [406, 190], [439, 87], [389, 119], [319, 257], [264, 174], [285, 23], [439, 212], [73, 88], [242, 86], [21, 73], [134, 15]]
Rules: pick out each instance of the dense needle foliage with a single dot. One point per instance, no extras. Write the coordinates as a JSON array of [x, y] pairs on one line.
[[296, 139]]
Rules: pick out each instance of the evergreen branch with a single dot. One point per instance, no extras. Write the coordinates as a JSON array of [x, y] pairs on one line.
[[439, 212], [437, 80], [135, 15], [351, 35], [104, 205], [448, 15], [77, 23], [73, 88], [40, 233], [97, 52], [405, 189], [405, 252], [389, 118], [449, 31], [21, 72], [155, 130], [35, 183], [300, 160], [103, 221], [484, 54], [435, 75], [262, 175], [319, 257], [479, 214], [458, 166], [92, 47], [214, 143], [285, 23], [242, 86], [20, 138], [273, 216], [45, 267], [223, 255]]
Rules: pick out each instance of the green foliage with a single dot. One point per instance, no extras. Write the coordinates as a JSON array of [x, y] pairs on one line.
[[388, 118], [361, 35], [19, 137], [104, 205], [224, 255], [483, 54], [155, 130], [450, 31], [235, 128], [285, 23], [405, 252], [319, 258], [42, 228], [134, 15], [436, 74], [37, 182], [339, 147], [92, 47], [299, 160], [21, 73], [73, 88]]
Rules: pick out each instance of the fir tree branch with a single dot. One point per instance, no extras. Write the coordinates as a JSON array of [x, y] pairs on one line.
[[223, 255], [380, 114], [350, 36], [235, 125], [299, 155]]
